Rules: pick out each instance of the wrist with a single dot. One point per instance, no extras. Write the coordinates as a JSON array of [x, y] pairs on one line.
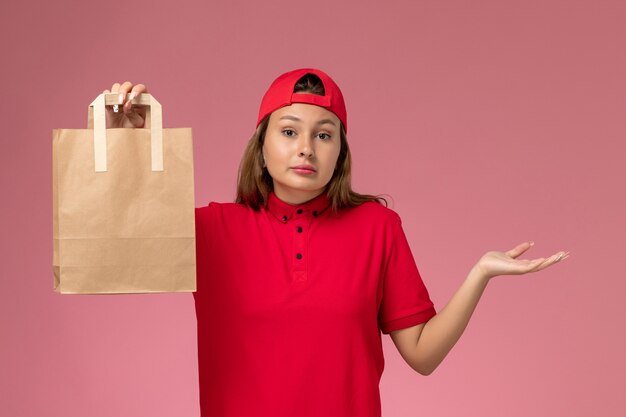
[[477, 273]]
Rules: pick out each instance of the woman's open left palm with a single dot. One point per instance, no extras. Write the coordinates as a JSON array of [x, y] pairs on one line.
[[495, 263]]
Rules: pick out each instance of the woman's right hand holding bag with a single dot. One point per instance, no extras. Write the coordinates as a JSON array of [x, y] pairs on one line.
[[127, 114]]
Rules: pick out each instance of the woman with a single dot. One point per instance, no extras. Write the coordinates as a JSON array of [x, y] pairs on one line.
[[298, 278]]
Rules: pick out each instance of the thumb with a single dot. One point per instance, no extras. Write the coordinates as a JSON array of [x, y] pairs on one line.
[[135, 119], [519, 249]]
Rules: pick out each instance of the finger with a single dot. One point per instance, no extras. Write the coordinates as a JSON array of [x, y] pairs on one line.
[[109, 109], [519, 249], [135, 119], [123, 91], [135, 91], [542, 265], [557, 257], [114, 89], [139, 88], [141, 111]]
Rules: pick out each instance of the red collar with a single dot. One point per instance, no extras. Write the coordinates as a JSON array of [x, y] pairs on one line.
[[284, 211]]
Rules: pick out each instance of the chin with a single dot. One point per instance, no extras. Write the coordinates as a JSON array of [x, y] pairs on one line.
[[299, 187]]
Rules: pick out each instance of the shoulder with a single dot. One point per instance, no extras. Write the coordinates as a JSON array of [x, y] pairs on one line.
[[216, 211], [227, 207], [376, 211], [372, 215]]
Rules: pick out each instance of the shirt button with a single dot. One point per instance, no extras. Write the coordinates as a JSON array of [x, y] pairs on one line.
[[284, 218], [315, 214], [299, 211], [298, 256], [299, 229]]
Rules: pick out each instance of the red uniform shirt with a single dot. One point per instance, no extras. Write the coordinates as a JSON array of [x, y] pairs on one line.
[[291, 301]]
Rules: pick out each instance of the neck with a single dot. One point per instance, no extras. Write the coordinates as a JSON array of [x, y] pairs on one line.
[[297, 196]]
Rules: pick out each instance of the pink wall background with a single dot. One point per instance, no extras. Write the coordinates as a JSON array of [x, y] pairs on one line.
[[488, 122]]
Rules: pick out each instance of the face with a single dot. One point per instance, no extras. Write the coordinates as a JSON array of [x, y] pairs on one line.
[[301, 148]]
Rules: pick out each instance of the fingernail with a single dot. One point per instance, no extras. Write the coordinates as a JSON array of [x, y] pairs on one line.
[[132, 95], [532, 243], [120, 98]]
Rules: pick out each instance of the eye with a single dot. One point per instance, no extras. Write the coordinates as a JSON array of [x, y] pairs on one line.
[[288, 132], [324, 136]]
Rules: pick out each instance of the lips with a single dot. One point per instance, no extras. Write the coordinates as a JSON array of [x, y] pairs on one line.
[[305, 167]]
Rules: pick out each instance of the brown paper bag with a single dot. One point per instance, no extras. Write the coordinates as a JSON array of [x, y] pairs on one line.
[[123, 206]]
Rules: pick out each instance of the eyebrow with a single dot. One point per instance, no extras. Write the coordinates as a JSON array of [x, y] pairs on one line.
[[296, 119]]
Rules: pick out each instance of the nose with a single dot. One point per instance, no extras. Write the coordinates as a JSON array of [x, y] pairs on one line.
[[305, 147]]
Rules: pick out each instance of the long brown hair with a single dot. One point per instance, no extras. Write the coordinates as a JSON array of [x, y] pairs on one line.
[[254, 182]]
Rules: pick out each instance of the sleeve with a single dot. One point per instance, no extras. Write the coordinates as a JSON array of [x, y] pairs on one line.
[[405, 300], [202, 248]]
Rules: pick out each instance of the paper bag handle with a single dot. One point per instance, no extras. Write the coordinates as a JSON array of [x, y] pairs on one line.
[[97, 122]]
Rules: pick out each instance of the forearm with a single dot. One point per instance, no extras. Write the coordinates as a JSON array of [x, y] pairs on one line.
[[442, 332]]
